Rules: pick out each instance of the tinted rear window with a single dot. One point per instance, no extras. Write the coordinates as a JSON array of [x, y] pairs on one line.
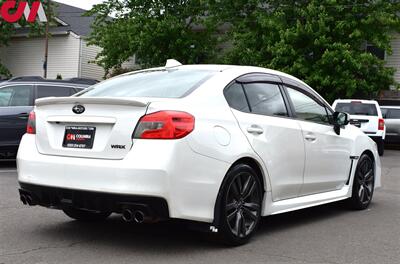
[[265, 99], [357, 109], [160, 83], [236, 97], [56, 91]]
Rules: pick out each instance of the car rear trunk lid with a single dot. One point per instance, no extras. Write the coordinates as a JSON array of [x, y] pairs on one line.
[[103, 130], [368, 124]]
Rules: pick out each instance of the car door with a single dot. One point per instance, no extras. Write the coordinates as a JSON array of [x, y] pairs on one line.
[[392, 122], [15, 104], [260, 108], [327, 163]]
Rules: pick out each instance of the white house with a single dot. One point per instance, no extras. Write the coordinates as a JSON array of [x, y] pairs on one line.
[[393, 60], [69, 54]]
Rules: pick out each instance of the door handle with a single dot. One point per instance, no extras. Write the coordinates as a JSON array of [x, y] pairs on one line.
[[255, 129], [310, 137], [23, 116]]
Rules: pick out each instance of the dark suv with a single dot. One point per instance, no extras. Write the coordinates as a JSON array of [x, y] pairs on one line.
[[17, 97]]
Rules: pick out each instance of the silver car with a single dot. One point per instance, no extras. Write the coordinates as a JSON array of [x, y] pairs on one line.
[[391, 114]]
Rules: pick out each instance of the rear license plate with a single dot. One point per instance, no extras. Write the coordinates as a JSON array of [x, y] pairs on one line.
[[79, 137]]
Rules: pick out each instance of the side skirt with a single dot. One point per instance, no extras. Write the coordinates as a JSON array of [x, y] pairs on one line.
[[298, 203]]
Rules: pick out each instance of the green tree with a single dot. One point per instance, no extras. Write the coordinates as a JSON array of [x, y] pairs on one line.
[[319, 41], [7, 30], [153, 31]]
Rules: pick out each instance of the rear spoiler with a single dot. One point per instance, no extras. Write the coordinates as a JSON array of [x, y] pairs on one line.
[[90, 100]]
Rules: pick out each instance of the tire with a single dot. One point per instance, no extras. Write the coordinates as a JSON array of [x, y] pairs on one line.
[[240, 205], [86, 216], [363, 184], [381, 147]]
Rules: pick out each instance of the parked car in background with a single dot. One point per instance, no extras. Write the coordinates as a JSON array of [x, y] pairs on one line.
[[17, 97], [366, 115], [391, 114], [223, 145]]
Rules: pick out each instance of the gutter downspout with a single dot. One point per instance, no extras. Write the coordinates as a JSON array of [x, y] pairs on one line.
[[80, 58]]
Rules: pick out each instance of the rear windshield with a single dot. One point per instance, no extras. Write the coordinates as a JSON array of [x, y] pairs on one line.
[[158, 83], [357, 109]]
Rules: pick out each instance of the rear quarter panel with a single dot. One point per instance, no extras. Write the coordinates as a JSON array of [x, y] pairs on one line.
[[217, 134]]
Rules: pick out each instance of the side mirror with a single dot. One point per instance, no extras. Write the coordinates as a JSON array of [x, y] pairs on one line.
[[340, 119]]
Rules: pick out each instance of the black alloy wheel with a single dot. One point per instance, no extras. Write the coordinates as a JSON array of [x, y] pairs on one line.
[[364, 183], [241, 205]]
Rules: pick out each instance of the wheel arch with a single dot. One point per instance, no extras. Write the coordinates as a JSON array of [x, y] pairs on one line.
[[254, 164], [369, 153], [362, 144]]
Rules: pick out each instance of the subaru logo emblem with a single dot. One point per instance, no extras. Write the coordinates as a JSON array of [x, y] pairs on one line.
[[78, 109]]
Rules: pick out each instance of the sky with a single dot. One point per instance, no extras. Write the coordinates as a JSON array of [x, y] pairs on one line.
[[84, 4]]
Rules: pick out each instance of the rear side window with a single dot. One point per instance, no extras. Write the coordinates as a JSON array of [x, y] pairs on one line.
[[393, 114], [54, 91], [19, 95], [174, 83], [357, 108], [5, 96], [236, 98], [265, 99]]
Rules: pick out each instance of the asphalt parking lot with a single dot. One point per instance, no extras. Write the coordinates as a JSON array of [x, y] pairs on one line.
[[325, 234]]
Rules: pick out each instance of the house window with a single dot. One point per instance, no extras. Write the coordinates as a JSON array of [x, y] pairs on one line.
[[377, 52]]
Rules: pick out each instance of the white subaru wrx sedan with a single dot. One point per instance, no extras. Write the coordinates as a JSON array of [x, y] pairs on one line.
[[222, 145]]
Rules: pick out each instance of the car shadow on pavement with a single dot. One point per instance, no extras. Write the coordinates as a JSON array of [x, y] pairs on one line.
[[171, 236], [114, 233], [303, 217]]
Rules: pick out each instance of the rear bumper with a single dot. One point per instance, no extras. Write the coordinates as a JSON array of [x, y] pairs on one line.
[[377, 135], [170, 170], [376, 138], [392, 139], [59, 198]]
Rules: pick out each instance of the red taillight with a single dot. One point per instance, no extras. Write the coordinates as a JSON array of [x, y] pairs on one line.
[[31, 127], [381, 124], [164, 125]]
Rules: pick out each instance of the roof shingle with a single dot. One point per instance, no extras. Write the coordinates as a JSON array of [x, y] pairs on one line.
[[73, 16], [70, 15]]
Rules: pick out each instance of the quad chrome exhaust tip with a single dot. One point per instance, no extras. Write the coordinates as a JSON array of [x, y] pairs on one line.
[[139, 217], [27, 199], [136, 216], [23, 199], [127, 215]]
